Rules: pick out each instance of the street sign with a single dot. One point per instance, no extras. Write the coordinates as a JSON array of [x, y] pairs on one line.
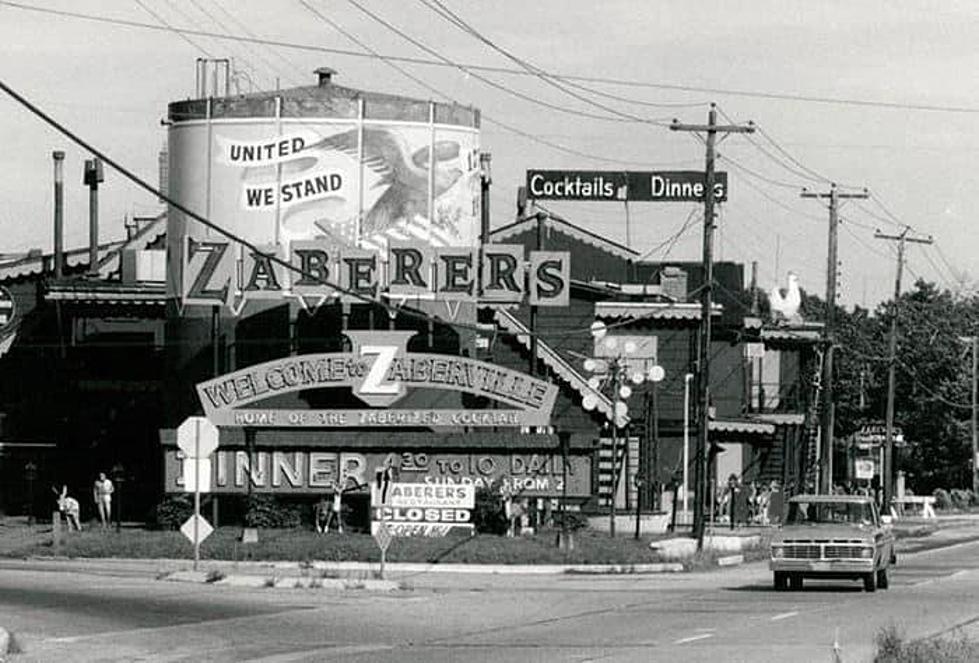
[[864, 468], [197, 437], [624, 186], [7, 308], [383, 536], [202, 531], [191, 472]]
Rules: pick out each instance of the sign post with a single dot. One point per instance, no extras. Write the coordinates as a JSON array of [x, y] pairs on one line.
[[198, 439], [383, 537]]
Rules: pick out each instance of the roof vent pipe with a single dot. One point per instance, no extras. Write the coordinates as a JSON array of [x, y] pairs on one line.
[[93, 176], [324, 76], [59, 211]]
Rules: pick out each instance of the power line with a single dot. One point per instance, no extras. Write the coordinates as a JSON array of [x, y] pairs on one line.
[[166, 26], [617, 116], [434, 90], [441, 10], [843, 101]]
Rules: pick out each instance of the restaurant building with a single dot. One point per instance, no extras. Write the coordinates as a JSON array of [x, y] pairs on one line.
[[329, 293]]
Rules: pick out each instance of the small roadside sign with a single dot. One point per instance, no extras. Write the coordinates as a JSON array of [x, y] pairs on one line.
[[383, 536], [7, 308], [202, 530]]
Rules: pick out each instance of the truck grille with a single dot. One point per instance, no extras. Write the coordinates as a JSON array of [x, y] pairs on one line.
[[822, 551]]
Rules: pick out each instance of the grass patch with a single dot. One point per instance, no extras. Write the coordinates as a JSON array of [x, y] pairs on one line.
[[290, 545], [893, 648]]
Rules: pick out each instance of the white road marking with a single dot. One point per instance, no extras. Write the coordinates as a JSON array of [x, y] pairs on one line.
[[692, 638], [785, 615], [309, 654]]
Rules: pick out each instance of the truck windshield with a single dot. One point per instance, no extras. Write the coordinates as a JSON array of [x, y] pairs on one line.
[[802, 513]]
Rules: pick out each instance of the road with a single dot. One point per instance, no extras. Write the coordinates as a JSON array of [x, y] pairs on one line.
[[58, 614]]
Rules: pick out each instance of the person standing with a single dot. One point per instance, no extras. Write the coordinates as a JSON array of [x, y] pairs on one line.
[[102, 494]]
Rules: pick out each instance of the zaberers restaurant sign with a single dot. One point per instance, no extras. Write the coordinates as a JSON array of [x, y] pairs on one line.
[[379, 371]]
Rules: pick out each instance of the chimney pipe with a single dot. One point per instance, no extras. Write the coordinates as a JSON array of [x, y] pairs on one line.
[[93, 175], [59, 211], [324, 75]]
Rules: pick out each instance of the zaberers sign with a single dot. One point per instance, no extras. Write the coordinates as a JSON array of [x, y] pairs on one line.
[[422, 509], [379, 371]]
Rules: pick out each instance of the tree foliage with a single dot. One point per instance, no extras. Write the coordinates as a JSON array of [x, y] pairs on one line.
[[933, 373]]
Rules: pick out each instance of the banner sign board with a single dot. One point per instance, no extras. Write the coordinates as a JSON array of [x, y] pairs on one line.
[[875, 434], [312, 471], [378, 370], [864, 468], [422, 509], [624, 186], [218, 272]]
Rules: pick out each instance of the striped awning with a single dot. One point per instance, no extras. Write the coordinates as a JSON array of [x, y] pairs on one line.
[[741, 427], [652, 310]]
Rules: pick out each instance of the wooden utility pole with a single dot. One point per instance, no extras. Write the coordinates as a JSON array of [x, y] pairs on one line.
[[887, 471], [829, 334], [974, 388], [711, 129]]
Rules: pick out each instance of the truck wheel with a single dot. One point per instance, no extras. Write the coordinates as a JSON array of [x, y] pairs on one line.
[[781, 581], [882, 580], [870, 582], [795, 582]]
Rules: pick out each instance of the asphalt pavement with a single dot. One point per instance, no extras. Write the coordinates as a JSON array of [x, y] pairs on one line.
[[114, 610]]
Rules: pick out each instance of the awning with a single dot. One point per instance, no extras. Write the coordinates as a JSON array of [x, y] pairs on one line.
[[740, 426], [100, 292], [780, 418], [652, 310]]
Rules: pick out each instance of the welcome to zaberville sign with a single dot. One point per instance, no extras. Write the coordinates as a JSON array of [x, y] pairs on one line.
[[379, 370], [220, 272]]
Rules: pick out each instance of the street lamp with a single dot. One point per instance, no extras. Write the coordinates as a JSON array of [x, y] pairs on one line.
[[614, 366]]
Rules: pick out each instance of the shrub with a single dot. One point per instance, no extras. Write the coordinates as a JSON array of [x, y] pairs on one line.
[[575, 521], [266, 512], [488, 516], [174, 511], [961, 499], [893, 648], [942, 499]]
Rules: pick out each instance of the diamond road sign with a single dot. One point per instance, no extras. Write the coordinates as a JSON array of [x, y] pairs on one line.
[[383, 536], [197, 436], [204, 528]]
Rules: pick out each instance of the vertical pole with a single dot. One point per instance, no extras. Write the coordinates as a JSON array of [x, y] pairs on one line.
[[826, 459], [888, 472], [59, 212], [686, 446], [93, 216], [653, 479], [628, 237], [703, 373], [565, 439], [538, 244], [384, 551], [197, 491], [614, 368], [975, 402]]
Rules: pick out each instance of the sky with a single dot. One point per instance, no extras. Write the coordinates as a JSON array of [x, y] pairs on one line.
[[879, 94]]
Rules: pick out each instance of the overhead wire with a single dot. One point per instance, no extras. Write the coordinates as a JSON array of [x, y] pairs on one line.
[[442, 95], [447, 14], [615, 117]]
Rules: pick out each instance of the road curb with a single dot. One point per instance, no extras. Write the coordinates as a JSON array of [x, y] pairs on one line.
[[282, 582]]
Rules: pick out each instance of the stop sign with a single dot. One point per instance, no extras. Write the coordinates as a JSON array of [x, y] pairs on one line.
[[197, 437]]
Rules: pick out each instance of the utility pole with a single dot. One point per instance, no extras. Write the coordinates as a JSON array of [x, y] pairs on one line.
[[887, 471], [974, 342], [829, 333], [711, 129]]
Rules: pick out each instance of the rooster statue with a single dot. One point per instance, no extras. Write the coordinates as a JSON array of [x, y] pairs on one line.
[[785, 308]]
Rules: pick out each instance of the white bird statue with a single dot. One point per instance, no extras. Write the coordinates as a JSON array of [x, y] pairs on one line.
[[786, 307]]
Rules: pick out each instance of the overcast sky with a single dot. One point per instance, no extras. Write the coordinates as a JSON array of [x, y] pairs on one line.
[[111, 83]]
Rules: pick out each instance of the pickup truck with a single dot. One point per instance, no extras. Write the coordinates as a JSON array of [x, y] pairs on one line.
[[833, 537]]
